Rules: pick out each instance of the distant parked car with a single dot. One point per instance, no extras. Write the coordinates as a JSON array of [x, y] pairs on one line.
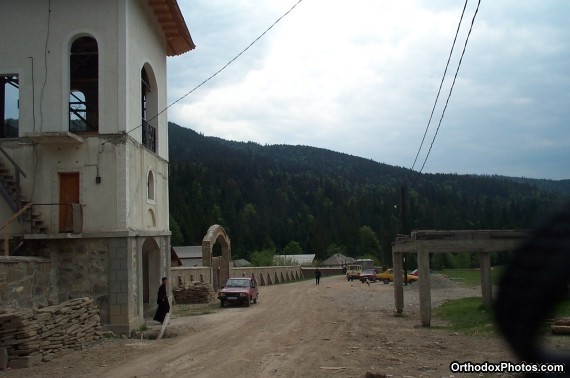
[[387, 276], [241, 290], [367, 275]]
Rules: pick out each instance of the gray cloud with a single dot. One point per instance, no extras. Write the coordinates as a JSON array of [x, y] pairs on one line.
[[361, 78]]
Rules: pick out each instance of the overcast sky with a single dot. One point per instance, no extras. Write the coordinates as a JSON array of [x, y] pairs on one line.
[[361, 77]]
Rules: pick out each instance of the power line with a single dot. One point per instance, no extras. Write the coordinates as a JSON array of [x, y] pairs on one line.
[[223, 68], [450, 90], [440, 84]]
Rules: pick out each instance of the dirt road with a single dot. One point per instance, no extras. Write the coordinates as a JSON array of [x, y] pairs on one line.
[[336, 329]]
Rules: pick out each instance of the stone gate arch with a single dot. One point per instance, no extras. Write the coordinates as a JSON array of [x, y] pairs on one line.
[[216, 253]]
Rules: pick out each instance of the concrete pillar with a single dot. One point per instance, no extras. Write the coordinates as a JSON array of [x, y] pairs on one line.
[[3, 358], [425, 288], [398, 288], [486, 283]]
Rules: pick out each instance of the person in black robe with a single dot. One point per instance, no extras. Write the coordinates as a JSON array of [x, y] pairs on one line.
[[162, 302], [317, 277]]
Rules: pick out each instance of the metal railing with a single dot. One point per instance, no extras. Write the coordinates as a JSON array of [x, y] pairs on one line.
[[148, 136]]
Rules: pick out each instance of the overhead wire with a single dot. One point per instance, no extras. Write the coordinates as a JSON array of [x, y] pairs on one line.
[[223, 67], [450, 91], [440, 84]]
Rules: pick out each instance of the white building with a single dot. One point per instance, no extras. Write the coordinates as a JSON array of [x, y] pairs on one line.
[[86, 82]]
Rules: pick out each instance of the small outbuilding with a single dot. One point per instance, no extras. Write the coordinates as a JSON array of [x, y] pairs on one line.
[[338, 259], [189, 255]]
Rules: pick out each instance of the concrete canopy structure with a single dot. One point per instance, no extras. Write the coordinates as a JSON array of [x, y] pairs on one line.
[[84, 155], [424, 242]]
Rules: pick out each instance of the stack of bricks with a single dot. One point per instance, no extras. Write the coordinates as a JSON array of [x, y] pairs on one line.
[[34, 336]]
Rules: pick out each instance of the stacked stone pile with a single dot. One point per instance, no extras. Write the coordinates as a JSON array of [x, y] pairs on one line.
[[34, 336], [194, 292]]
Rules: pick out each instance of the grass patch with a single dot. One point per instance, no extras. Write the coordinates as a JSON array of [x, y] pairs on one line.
[[467, 316], [472, 277], [195, 309]]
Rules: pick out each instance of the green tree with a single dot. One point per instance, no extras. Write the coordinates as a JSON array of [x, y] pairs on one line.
[[368, 243], [441, 261], [333, 249], [176, 238], [263, 257], [293, 248]]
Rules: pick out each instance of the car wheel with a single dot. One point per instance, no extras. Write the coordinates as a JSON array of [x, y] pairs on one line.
[[221, 303], [386, 282], [348, 279], [255, 300], [247, 302]]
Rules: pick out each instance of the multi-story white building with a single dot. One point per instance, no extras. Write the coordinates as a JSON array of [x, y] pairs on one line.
[[84, 146]]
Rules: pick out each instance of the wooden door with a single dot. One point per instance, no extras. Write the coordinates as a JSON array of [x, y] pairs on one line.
[[68, 194]]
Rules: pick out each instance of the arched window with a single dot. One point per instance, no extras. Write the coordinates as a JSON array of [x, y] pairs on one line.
[[149, 108], [150, 186], [84, 85]]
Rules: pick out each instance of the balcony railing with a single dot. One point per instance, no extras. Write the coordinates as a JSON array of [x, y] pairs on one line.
[[148, 136]]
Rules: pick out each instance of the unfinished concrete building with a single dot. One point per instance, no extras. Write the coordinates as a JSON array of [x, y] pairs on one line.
[[84, 152]]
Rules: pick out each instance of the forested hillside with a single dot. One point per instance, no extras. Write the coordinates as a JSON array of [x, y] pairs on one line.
[[273, 197]]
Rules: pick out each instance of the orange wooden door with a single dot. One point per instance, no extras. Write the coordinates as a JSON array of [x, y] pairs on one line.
[[68, 194]]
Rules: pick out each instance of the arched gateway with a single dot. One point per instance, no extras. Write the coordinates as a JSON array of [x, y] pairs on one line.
[[216, 253]]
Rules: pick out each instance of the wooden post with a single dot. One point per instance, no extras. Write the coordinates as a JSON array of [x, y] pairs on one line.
[[486, 283], [398, 288], [425, 289]]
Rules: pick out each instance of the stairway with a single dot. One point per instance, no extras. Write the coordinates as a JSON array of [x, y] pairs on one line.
[[16, 200]]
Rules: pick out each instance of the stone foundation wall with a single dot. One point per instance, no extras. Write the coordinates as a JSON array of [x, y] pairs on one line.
[[81, 269], [26, 281]]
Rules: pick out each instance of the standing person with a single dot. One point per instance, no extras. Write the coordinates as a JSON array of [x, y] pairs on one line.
[[317, 276], [162, 302]]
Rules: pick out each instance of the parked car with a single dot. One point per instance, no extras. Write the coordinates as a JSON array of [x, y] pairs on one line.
[[416, 273], [387, 276], [368, 275], [240, 290]]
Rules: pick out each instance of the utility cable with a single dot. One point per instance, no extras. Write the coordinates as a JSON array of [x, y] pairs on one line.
[[45, 67], [440, 84], [450, 90], [221, 69]]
